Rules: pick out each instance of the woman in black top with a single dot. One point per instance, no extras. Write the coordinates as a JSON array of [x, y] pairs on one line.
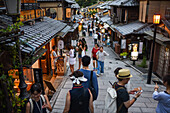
[[78, 99], [37, 103]]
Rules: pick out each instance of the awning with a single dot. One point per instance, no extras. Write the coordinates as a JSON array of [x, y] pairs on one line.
[[74, 27], [70, 1], [35, 57], [64, 31], [134, 27], [159, 37], [124, 3]]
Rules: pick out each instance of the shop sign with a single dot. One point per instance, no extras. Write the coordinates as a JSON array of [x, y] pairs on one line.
[[140, 47], [60, 44], [68, 12], [134, 53], [38, 77], [123, 44]]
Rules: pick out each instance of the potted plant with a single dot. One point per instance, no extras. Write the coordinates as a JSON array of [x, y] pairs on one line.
[[124, 54]]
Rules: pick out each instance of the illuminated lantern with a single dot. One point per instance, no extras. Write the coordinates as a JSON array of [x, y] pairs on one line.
[[156, 18]]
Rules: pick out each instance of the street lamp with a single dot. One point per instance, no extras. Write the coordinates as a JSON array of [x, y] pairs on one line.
[[156, 21], [13, 9]]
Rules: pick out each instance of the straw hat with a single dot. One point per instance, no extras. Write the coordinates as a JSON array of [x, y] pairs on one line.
[[124, 73]]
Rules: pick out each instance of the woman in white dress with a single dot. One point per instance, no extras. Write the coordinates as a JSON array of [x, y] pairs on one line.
[[72, 59]]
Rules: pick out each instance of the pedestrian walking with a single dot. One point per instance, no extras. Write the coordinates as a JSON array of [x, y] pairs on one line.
[[95, 38], [90, 75], [101, 57], [84, 32], [38, 103], [79, 99], [163, 98], [90, 32], [85, 44], [123, 99], [72, 59], [99, 38], [80, 49], [54, 57], [94, 51], [103, 39]]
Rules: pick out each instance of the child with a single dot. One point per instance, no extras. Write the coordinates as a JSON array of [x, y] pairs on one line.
[[163, 98]]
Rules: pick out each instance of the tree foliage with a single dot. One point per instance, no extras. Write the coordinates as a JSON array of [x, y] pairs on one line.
[[84, 3]]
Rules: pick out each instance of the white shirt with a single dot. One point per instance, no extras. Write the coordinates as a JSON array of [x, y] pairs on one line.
[[95, 36], [101, 55]]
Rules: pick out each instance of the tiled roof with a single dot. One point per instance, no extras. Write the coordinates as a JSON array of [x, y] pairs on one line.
[[134, 27], [41, 32], [74, 27], [167, 23], [109, 22], [47, 0], [64, 31], [5, 21], [71, 1], [36, 36], [159, 37], [76, 5], [125, 3], [105, 5], [105, 18]]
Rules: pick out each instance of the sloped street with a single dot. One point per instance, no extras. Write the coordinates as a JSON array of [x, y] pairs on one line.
[[144, 104]]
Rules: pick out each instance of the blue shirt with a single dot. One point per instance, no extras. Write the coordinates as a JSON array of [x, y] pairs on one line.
[[87, 74], [163, 99]]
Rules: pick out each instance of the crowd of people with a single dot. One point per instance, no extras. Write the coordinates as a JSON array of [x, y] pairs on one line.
[[85, 89]]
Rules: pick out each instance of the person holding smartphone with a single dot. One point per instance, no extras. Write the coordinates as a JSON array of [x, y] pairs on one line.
[[38, 103], [163, 98]]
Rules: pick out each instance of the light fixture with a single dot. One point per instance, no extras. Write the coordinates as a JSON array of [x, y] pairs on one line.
[[156, 18]]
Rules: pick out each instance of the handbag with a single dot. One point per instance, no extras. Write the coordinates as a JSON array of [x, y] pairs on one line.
[[92, 87]]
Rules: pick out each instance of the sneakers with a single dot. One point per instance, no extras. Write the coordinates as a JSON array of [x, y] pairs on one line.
[[101, 74], [97, 75]]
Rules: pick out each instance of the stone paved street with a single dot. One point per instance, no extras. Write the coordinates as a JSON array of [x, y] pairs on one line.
[[144, 104]]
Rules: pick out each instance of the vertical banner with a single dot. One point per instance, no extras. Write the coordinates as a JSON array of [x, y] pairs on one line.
[[140, 47], [68, 12], [134, 53], [38, 76], [123, 43]]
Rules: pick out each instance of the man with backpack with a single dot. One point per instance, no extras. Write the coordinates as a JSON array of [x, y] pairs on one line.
[[123, 99], [91, 77]]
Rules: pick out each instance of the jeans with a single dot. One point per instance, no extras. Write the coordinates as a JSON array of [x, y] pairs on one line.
[[100, 64]]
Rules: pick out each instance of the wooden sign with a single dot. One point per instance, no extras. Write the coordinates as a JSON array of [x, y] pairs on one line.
[[68, 12]]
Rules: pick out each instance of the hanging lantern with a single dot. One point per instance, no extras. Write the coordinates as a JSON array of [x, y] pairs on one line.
[[156, 18]]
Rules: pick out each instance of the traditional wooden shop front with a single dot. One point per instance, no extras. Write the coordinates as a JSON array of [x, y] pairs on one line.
[[129, 35], [161, 66], [36, 50]]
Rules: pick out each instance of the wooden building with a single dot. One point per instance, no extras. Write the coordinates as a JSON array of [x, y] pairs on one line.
[[53, 8], [161, 66], [37, 42]]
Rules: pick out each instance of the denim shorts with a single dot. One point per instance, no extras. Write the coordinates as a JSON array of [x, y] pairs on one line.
[[79, 56]]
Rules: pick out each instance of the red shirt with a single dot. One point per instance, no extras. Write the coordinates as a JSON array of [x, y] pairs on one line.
[[94, 51]]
